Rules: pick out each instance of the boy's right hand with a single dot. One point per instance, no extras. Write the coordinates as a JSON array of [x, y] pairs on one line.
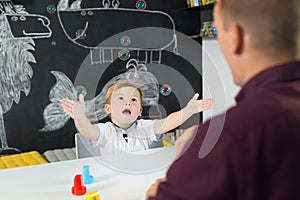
[[76, 110]]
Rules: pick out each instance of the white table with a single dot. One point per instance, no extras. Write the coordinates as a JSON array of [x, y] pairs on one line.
[[118, 177]]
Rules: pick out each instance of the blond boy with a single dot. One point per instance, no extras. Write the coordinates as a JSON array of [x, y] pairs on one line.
[[125, 132]]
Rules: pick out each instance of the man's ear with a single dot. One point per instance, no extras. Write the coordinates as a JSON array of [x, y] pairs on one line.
[[107, 108], [237, 38]]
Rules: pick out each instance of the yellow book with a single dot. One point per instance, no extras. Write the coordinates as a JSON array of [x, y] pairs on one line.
[[192, 3]]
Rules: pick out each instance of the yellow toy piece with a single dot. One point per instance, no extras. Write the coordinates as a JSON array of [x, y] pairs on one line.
[[166, 143], [21, 160], [93, 195]]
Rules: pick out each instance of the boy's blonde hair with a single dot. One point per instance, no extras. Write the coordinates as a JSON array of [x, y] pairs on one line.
[[119, 85]]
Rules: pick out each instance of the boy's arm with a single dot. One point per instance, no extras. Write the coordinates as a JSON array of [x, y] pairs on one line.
[[76, 110], [177, 118]]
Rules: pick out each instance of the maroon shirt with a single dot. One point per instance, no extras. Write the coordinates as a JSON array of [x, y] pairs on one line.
[[257, 154]]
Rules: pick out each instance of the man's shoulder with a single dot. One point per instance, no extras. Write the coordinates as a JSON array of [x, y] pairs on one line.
[[266, 106], [260, 114]]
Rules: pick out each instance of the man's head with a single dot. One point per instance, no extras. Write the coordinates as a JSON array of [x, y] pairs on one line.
[[123, 103], [256, 34]]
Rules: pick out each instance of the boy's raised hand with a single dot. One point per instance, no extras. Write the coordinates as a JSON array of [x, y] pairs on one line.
[[75, 110], [195, 106]]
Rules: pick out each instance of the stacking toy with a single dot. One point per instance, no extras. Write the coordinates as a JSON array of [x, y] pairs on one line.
[[78, 188], [86, 177], [93, 195]]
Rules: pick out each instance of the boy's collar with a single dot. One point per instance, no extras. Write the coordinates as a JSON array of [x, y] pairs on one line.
[[121, 130]]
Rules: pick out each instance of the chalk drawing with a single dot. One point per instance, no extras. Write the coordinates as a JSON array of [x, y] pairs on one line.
[[73, 18], [136, 73], [16, 46]]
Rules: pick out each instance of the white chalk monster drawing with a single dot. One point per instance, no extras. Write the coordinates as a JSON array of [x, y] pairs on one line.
[[16, 44], [54, 116], [87, 28]]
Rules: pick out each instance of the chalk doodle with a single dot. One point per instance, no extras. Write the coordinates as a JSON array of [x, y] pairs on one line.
[[73, 18], [16, 45]]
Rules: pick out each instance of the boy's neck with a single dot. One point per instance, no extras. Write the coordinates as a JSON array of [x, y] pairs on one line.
[[124, 128]]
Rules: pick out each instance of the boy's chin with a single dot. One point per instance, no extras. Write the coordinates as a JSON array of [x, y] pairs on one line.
[[129, 118], [128, 121]]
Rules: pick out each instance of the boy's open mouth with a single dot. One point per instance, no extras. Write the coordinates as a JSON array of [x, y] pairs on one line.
[[126, 111]]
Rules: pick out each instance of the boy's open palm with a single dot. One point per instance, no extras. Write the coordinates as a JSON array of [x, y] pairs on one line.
[[75, 110], [196, 106]]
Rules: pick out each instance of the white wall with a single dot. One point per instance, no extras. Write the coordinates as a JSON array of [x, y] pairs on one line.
[[217, 79]]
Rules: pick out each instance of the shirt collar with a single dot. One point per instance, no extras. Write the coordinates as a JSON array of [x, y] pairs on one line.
[[121, 130], [279, 73]]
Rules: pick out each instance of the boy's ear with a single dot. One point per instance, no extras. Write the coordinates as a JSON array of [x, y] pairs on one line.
[[141, 110], [107, 108]]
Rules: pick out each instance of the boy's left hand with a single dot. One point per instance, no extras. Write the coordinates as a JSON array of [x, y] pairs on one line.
[[185, 140], [196, 106]]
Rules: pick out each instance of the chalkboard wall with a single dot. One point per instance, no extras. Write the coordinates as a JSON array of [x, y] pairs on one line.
[[71, 38]]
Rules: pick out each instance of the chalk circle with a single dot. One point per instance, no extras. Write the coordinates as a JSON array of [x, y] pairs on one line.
[[14, 18], [22, 18]]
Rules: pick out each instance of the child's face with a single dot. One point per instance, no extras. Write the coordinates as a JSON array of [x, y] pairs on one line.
[[125, 106]]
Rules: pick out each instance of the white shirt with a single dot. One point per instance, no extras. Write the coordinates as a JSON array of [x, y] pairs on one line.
[[139, 137]]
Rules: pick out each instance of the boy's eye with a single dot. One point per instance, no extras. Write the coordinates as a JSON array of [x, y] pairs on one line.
[[120, 98], [134, 100]]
